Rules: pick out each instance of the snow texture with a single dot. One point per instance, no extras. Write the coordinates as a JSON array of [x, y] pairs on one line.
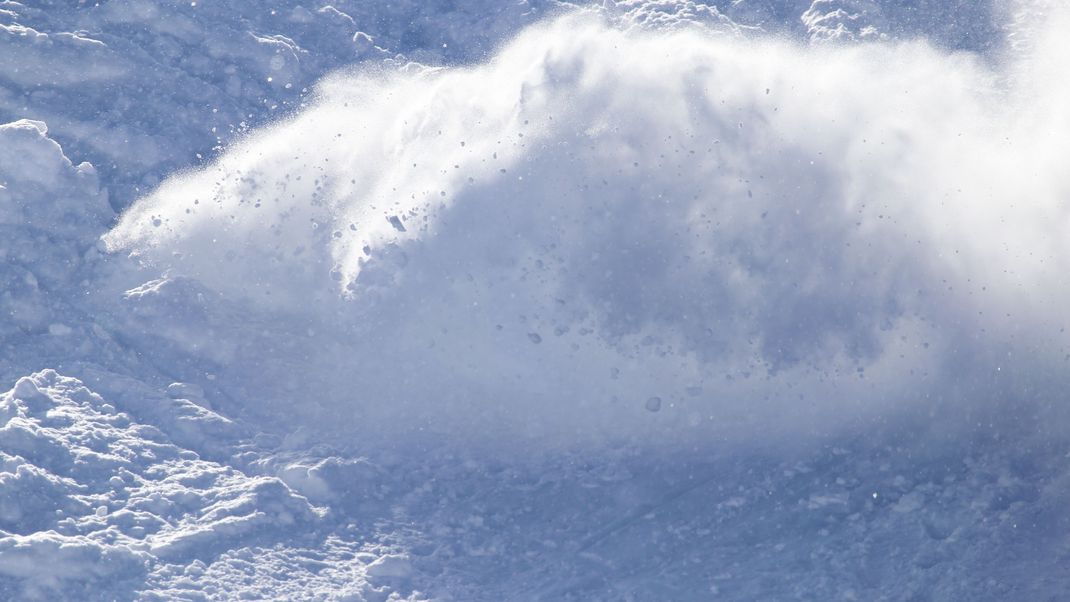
[[628, 300]]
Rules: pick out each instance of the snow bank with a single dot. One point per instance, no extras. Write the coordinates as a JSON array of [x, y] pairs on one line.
[[41, 190], [52, 214], [762, 236]]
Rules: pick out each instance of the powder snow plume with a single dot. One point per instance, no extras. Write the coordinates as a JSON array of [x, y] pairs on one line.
[[648, 236]]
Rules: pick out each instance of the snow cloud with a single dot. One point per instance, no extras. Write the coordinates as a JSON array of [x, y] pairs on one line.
[[666, 237]]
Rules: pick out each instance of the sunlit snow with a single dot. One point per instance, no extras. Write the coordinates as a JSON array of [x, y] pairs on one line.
[[634, 300]]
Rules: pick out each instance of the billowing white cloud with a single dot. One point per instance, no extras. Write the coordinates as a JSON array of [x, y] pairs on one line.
[[767, 237]]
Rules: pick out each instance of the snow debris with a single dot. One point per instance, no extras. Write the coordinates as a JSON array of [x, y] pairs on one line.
[[90, 495]]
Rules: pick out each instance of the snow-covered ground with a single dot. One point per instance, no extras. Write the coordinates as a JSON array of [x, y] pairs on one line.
[[534, 300]]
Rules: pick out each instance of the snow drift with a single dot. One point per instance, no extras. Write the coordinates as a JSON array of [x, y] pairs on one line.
[[626, 235]]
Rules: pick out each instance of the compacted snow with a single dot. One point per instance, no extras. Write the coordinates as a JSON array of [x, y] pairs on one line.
[[642, 300]]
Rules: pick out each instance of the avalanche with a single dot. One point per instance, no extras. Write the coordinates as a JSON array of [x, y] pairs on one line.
[[649, 300]]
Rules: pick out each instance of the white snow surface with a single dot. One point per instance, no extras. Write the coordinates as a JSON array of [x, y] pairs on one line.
[[642, 300]]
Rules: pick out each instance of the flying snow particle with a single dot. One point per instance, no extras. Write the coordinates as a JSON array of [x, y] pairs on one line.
[[653, 404]]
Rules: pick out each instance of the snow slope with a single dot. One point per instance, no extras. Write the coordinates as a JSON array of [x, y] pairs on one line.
[[631, 302]]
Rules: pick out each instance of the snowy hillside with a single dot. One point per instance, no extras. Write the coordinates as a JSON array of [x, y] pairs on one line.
[[536, 300]]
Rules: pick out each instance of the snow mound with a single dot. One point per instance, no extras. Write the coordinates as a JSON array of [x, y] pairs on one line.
[[52, 214], [41, 190], [90, 496]]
